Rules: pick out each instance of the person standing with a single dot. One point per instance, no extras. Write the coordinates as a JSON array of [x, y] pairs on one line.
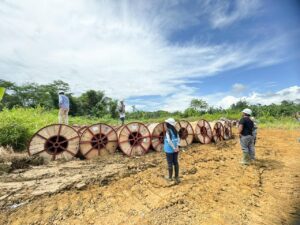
[[254, 133], [64, 106], [245, 130], [171, 148], [121, 110], [297, 116]]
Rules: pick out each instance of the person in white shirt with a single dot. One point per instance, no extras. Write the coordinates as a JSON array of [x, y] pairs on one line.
[[121, 109]]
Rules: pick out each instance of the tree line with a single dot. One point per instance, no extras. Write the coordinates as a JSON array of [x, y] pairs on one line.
[[91, 102], [95, 103]]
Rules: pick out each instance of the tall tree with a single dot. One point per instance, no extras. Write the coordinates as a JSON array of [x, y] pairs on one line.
[[199, 105]]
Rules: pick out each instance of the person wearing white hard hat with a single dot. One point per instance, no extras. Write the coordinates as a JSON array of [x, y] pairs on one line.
[[64, 106], [245, 130], [121, 109], [171, 148]]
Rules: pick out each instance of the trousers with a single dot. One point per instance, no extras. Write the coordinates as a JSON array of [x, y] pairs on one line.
[[247, 145], [172, 160], [63, 116]]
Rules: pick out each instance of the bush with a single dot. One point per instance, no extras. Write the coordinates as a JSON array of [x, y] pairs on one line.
[[15, 135]]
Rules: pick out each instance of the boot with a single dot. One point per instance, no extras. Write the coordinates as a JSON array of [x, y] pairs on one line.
[[246, 158], [177, 180], [252, 156], [177, 173], [169, 178]]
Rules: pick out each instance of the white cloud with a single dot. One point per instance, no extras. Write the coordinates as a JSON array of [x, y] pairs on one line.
[[181, 100], [120, 47], [238, 88], [225, 100], [229, 12], [290, 94]]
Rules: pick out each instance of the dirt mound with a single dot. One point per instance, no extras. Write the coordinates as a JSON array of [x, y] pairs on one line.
[[215, 188], [19, 162], [24, 163]]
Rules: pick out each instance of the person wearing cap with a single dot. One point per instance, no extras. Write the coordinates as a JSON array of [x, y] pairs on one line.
[[121, 109], [245, 130], [171, 148], [64, 106]]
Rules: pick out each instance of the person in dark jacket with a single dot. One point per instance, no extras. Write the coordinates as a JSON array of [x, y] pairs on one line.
[[245, 130], [171, 148]]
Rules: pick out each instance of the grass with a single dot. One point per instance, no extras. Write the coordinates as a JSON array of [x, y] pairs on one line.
[[35, 119], [280, 123]]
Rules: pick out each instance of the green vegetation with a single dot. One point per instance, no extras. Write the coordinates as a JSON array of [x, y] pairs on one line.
[[2, 90], [91, 103], [15, 135], [27, 108]]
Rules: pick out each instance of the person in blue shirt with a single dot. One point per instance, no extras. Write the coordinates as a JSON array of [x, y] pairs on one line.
[[64, 106], [171, 148]]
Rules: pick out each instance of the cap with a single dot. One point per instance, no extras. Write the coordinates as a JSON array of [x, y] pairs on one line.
[[171, 121], [247, 111]]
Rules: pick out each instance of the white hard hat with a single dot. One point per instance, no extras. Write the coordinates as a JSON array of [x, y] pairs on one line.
[[61, 91], [171, 121], [247, 111]]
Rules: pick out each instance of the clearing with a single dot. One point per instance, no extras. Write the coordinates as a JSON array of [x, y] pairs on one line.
[[215, 188]]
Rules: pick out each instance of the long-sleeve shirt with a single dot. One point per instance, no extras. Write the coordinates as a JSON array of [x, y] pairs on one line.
[[64, 102]]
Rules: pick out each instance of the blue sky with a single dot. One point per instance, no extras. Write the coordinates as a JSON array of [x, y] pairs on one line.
[[156, 54]]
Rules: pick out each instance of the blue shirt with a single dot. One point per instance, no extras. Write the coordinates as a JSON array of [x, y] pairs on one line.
[[64, 102], [171, 142]]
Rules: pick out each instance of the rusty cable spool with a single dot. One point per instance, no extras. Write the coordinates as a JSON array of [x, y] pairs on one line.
[[157, 131], [117, 127], [217, 131], [98, 140], [186, 132], [202, 131], [134, 139], [56, 141], [227, 129], [80, 128], [234, 123]]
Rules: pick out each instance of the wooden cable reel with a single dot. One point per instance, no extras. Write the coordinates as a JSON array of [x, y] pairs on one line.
[[57, 141], [98, 140], [157, 131], [227, 129], [217, 131], [202, 131], [80, 129], [134, 139], [186, 132]]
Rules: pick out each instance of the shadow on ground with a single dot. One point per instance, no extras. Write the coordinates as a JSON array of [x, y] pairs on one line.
[[269, 164]]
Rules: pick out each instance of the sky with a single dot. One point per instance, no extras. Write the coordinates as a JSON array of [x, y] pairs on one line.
[[158, 54]]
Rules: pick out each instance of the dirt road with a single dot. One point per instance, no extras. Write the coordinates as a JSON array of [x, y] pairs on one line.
[[215, 188]]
